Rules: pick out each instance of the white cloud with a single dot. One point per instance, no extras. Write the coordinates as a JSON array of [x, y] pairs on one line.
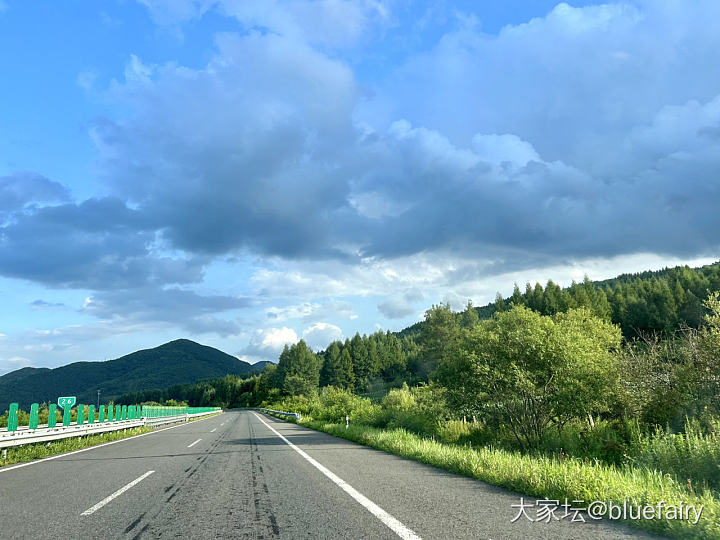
[[321, 334], [172, 12], [311, 311], [11, 364], [267, 344]]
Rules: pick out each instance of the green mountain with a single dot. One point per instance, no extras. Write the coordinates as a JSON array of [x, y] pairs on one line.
[[177, 362]]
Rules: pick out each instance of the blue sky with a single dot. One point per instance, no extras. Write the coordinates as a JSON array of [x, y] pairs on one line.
[[247, 174]]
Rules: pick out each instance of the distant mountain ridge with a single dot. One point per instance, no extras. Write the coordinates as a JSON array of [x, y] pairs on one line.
[[177, 362]]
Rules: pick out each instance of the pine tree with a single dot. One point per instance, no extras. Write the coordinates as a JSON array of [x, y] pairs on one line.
[[469, 318]]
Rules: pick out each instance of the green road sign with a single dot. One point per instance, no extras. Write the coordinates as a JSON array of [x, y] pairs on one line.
[[66, 402]]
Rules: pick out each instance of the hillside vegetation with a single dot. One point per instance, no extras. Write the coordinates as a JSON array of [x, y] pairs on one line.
[[176, 362]]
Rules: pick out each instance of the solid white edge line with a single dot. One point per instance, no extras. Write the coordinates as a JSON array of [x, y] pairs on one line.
[[20, 465], [119, 492], [193, 444], [395, 525]]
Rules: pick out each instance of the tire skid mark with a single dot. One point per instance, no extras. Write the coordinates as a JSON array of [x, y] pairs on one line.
[[264, 515], [145, 528], [176, 488], [135, 523]]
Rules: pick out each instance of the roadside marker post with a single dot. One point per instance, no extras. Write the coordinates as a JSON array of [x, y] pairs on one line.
[[33, 424], [101, 414], [13, 417], [91, 414], [52, 419], [66, 416]]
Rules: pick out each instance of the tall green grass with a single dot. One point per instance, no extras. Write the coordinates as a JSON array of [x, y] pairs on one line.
[[692, 456], [31, 452], [548, 477]]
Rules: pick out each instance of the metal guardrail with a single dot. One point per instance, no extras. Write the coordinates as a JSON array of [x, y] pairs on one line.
[[295, 415], [28, 436], [25, 435]]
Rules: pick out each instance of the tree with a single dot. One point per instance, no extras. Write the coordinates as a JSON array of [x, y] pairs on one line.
[[499, 304], [362, 368], [517, 298], [469, 318], [337, 369], [439, 334], [530, 371], [298, 361]]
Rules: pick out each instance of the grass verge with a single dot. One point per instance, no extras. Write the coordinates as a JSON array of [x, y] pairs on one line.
[[548, 478], [33, 451]]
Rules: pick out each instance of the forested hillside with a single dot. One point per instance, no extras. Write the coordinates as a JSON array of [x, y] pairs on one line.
[[659, 315], [180, 361]]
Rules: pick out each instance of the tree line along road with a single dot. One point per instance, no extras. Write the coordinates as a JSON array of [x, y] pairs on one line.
[[243, 474]]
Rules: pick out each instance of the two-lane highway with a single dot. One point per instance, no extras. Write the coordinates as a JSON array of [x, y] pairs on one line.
[[246, 475]]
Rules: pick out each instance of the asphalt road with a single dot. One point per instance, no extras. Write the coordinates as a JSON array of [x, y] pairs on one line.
[[235, 476]]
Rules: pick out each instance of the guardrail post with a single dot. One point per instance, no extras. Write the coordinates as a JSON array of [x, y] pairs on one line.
[[52, 419], [101, 414], [33, 424], [66, 416], [13, 417], [91, 414], [80, 415]]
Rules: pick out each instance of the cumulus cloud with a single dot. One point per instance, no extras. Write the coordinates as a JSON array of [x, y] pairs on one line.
[[22, 189], [400, 307], [241, 154], [97, 244], [267, 344], [321, 334], [283, 155], [395, 308]]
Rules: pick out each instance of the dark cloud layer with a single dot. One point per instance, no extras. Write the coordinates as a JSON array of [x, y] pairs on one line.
[[186, 309], [264, 150], [592, 132]]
